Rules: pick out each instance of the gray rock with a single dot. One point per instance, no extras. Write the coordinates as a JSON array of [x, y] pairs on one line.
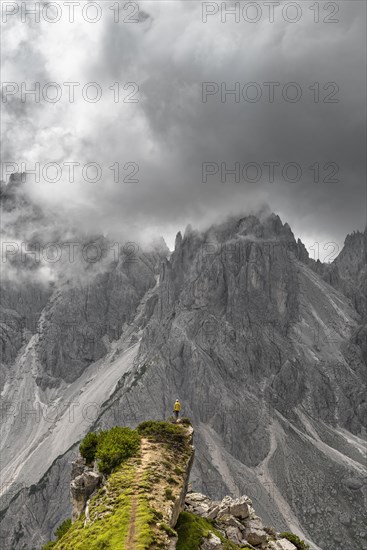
[[240, 507], [255, 523], [233, 534], [256, 536], [281, 544], [231, 521], [353, 483], [213, 512], [81, 488], [192, 498], [212, 543], [197, 503], [78, 466]]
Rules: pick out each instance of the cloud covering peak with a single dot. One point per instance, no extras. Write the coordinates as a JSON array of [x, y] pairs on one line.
[[165, 119]]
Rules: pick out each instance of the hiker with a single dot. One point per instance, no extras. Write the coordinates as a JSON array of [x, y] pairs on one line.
[[176, 408]]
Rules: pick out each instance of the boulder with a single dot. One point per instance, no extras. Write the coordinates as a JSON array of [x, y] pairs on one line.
[[77, 467], [201, 509], [192, 498], [233, 534], [240, 508], [197, 503], [81, 488], [229, 520], [222, 512], [213, 512], [256, 536], [253, 523], [281, 544], [201, 505], [353, 483]]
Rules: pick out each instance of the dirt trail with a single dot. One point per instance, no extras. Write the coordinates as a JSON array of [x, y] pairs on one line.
[[146, 457], [158, 463], [130, 542]]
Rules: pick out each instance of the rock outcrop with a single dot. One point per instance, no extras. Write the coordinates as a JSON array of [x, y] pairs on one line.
[[236, 520], [83, 485]]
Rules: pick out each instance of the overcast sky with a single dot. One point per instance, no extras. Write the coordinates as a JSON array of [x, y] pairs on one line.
[[177, 127]]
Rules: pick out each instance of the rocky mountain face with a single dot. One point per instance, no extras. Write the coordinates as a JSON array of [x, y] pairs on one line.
[[265, 348], [348, 274], [94, 288], [22, 296]]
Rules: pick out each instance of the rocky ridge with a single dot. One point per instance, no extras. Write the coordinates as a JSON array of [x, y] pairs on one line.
[[138, 504], [236, 521], [156, 481]]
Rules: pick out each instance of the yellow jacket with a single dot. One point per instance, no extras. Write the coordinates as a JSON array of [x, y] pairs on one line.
[[177, 406]]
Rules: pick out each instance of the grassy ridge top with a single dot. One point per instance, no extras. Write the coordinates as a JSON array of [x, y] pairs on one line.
[[147, 470], [192, 529]]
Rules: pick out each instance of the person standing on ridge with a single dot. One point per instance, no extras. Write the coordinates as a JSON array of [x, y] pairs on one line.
[[176, 408]]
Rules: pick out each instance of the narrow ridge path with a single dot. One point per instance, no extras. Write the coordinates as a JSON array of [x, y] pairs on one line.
[[131, 537], [131, 541]]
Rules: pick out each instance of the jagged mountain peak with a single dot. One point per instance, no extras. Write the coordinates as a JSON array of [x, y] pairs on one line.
[[266, 356], [178, 240], [262, 226], [355, 241]]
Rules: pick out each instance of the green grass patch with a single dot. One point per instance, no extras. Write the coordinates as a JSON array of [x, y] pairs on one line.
[[298, 543], [62, 529], [110, 516], [170, 532], [186, 421], [88, 447], [171, 479], [164, 432], [191, 530], [110, 448], [144, 521], [157, 515]]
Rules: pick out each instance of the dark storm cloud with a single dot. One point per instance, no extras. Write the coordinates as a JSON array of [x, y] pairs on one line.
[[171, 132]]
